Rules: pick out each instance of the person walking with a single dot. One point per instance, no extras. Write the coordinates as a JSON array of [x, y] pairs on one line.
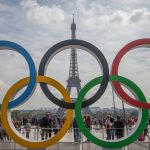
[[119, 127], [88, 123]]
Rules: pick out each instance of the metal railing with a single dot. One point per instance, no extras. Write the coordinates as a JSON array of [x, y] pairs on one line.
[[38, 134]]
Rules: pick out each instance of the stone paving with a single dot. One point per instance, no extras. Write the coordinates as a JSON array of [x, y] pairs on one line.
[[67, 143], [73, 146]]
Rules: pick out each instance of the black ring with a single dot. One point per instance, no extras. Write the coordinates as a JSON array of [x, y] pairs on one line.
[[74, 43]]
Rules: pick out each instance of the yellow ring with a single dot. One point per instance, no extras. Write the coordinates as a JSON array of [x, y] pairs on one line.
[[13, 133]]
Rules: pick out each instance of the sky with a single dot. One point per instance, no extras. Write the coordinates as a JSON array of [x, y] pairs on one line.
[[37, 25]]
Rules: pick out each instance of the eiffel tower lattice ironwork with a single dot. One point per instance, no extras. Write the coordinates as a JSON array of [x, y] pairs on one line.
[[73, 80]]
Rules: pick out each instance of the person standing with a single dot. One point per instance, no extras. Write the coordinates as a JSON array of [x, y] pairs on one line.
[[109, 125], [112, 131], [1, 135], [146, 130], [28, 129], [119, 127], [50, 124], [57, 125], [100, 123], [77, 134], [131, 124], [88, 123], [46, 125]]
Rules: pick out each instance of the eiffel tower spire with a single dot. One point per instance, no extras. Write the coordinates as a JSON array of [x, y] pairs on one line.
[[73, 29]]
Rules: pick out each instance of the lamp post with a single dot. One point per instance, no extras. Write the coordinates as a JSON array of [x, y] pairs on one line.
[[114, 106]]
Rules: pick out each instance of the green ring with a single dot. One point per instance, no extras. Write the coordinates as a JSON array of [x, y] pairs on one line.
[[141, 124]]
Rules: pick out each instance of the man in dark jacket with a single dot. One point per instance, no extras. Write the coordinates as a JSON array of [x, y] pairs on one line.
[[119, 127], [46, 125]]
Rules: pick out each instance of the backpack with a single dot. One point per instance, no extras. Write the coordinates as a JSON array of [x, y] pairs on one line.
[[141, 137], [41, 123]]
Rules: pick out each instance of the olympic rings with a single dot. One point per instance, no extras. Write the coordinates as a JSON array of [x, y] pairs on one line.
[[13, 46], [11, 130], [139, 102], [118, 89], [141, 124], [74, 44]]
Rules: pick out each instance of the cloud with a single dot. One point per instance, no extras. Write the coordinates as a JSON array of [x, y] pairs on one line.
[[140, 15], [37, 25], [42, 14], [4, 7], [2, 84], [118, 17], [29, 4]]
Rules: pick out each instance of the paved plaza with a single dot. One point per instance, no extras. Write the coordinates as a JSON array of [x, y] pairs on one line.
[[67, 143], [73, 146]]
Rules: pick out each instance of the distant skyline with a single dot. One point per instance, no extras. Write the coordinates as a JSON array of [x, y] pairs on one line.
[[39, 24]]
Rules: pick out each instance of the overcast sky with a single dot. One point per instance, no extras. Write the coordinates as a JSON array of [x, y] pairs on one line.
[[108, 24]]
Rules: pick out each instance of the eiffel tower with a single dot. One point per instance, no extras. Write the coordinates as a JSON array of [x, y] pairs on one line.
[[73, 79]]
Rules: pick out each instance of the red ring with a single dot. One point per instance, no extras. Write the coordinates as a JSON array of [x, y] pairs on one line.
[[114, 71]]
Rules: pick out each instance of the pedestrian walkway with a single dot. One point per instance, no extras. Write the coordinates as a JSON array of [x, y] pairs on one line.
[[67, 143], [72, 146]]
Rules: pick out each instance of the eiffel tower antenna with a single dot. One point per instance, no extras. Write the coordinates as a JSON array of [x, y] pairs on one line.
[[73, 18]]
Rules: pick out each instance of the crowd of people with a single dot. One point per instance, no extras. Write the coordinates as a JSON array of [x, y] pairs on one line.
[[50, 125]]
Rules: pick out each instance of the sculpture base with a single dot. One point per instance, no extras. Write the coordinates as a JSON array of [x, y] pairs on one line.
[[112, 149], [36, 149]]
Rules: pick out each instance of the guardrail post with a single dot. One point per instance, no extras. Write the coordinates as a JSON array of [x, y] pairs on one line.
[[81, 141], [34, 133], [58, 145], [14, 145], [148, 139]]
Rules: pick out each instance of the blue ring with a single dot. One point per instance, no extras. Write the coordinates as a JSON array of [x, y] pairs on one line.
[[32, 82]]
